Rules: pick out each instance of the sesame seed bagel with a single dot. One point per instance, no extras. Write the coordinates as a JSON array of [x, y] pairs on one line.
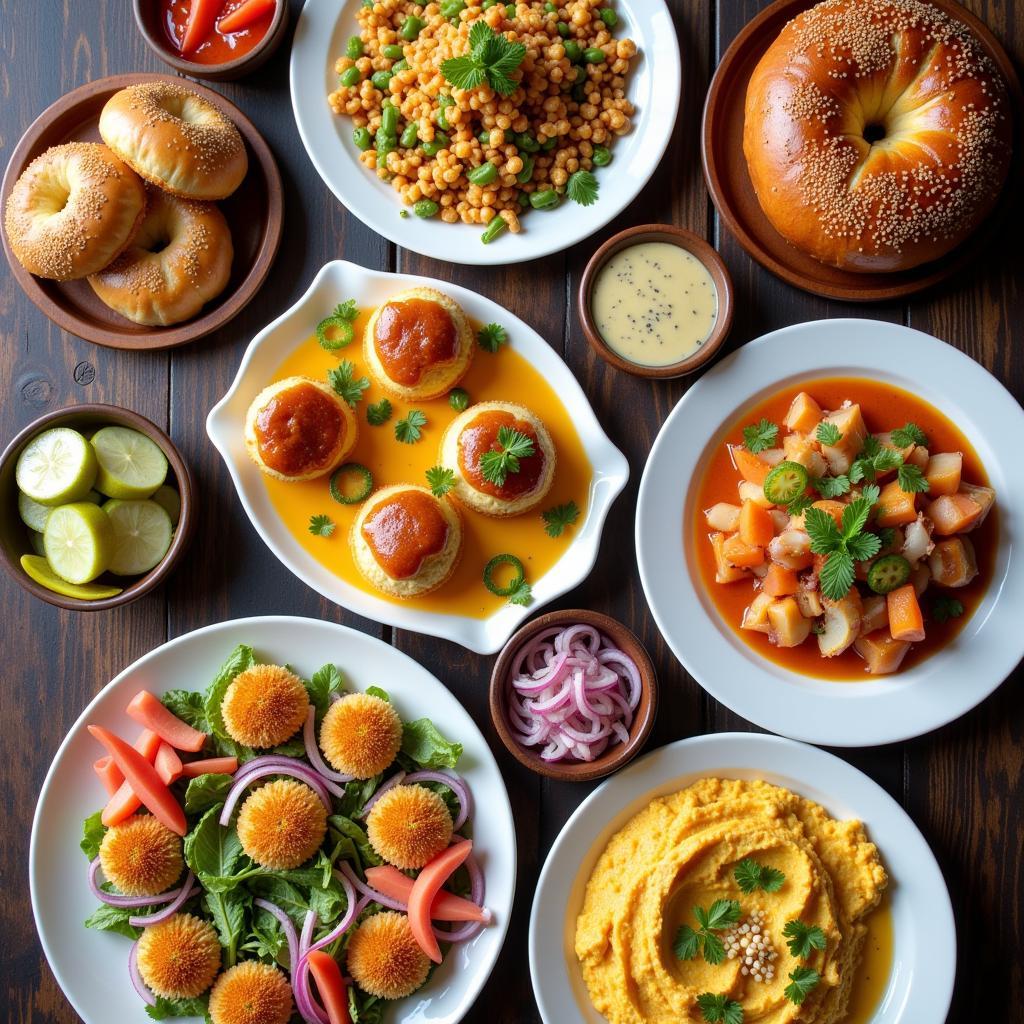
[[178, 261], [877, 133], [424, 337], [74, 208], [175, 139], [426, 567], [510, 499]]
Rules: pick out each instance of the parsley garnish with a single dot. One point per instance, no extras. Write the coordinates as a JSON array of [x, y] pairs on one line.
[[843, 545], [340, 378], [522, 595], [873, 459], [513, 446], [828, 434], [378, 412], [760, 436], [801, 503], [802, 938], [908, 435], [719, 1009], [911, 479], [321, 526], [441, 480], [751, 876], [802, 981], [689, 942], [886, 537], [408, 430], [559, 517], [491, 337], [831, 486], [946, 608], [582, 188], [492, 59]]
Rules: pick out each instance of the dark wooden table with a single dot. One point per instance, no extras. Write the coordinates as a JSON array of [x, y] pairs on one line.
[[962, 784]]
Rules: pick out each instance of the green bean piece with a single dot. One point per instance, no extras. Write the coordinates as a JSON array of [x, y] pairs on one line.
[[549, 144], [354, 48], [425, 208], [368, 4], [484, 174], [362, 138], [451, 9], [380, 80], [524, 199], [411, 28], [410, 136], [563, 29], [393, 51], [495, 228], [389, 118], [487, 5], [527, 172], [602, 156], [594, 55], [573, 50], [439, 142], [527, 143], [349, 77], [545, 199], [608, 16]]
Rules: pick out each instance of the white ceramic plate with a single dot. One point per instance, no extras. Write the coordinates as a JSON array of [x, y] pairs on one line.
[[320, 35], [872, 711], [335, 282], [92, 967], [920, 985]]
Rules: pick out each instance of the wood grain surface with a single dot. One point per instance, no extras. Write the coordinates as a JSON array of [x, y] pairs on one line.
[[962, 785]]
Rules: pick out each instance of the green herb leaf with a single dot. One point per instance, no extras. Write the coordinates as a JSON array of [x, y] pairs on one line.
[[837, 575], [801, 503], [802, 938], [714, 948], [831, 486], [491, 337], [945, 608], [113, 919], [751, 876], [886, 537], [802, 981], [358, 848], [844, 546], [206, 791], [582, 188], [424, 744], [345, 384], [558, 518], [441, 480], [911, 479], [93, 831], [408, 430], [513, 445], [189, 706], [522, 595], [760, 436], [719, 1009], [828, 434], [322, 685], [687, 943], [321, 526], [908, 435], [492, 59], [378, 413], [163, 1008], [463, 72], [722, 914]]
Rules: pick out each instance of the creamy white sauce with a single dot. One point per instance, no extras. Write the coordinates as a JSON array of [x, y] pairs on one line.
[[654, 303]]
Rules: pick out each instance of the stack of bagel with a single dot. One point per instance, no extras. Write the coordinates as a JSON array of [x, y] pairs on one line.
[[136, 215]]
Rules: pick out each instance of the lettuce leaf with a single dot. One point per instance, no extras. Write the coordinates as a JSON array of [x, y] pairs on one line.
[[241, 658], [164, 1008], [324, 682], [227, 910], [189, 706], [206, 790], [113, 919], [351, 842], [93, 831], [423, 744]]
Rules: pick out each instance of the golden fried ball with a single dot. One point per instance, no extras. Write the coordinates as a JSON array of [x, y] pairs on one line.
[[384, 959], [180, 957], [409, 825], [282, 824], [140, 856], [360, 735], [264, 706], [251, 993]]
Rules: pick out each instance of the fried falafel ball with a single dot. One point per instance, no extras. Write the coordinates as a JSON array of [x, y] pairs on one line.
[[251, 993], [384, 959], [179, 958], [360, 735], [264, 706], [282, 824], [409, 825], [140, 856]]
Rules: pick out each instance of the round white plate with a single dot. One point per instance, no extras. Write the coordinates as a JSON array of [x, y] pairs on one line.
[[320, 35], [920, 984], [335, 282], [92, 967], [872, 711]]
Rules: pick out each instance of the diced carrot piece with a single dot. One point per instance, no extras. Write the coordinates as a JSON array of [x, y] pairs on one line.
[[446, 906], [755, 615], [801, 449], [724, 572], [330, 985], [210, 766], [983, 496], [244, 16], [953, 562], [109, 774], [425, 887], [905, 619], [756, 525], [833, 508], [895, 505], [744, 556], [953, 513], [167, 764], [148, 711], [202, 15], [750, 466], [804, 414], [788, 627], [882, 655], [780, 581], [143, 779]]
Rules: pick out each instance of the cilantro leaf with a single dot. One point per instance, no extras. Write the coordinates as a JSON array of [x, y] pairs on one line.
[[522, 595], [492, 59], [408, 430], [513, 445], [831, 486], [441, 480], [864, 546], [582, 188], [722, 914], [822, 529], [719, 1009], [802, 981], [687, 943], [378, 413], [345, 384], [559, 517], [802, 938], [491, 337], [828, 434], [800, 504], [837, 575], [945, 608], [347, 310], [321, 526], [887, 537], [463, 72], [908, 435], [760, 436], [751, 876], [911, 479]]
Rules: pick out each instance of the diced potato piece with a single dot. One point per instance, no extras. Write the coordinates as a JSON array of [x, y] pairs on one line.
[[756, 526], [791, 549], [984, 496], [841, 626], [760, 571], [724, 572], [954, 513], [751, 467], [755, 615], [953, 562], [833, 508], [804, 414], [753, 492], [943, 473], [809, 602], [737, 552], [882, 655], [918, 542], [896, 507], [780, 519], [850, 422], [905, 619], [918, 457], [723, 516], [780, 581], [886, 441], [788, 627], [772, 456], [876, 614], [920, 578], [802, 450]]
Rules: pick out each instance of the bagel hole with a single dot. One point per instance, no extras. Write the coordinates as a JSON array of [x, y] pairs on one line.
[[874, 132], [157, 243]]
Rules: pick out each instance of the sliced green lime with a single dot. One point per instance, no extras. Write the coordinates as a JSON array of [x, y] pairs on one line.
[[38, 569], [142, 535], [351, 483], [131, 466], [35, 538], [79, 541], [888, 573], [57, 466], [787, 481], [169, 500], [33, 515]]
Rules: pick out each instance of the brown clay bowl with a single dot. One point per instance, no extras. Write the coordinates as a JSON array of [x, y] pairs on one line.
[[14, 540], [693, 244], [255, 214], [149, 19], [725, 170], [614, 757]]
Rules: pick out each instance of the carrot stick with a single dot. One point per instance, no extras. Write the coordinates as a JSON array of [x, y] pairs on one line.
[[331, 986], [201, 18], [905, 619], [446, 906], [426, 886], [167, 764], [109, 774], [210, 766], [242, 17], [148, 711]]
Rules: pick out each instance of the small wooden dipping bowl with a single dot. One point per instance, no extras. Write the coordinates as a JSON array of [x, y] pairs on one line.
[[614, 757], [697, 247]]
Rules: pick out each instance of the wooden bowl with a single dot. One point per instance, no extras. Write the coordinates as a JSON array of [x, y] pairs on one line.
[[255, 214], [693, 244], [725, 170], [614, 757], [14, 540], [149, 19]]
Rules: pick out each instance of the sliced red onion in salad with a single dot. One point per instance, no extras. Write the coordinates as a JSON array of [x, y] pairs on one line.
[[128, 902], [184, 893], [137, 983], [289, 931], [573, 693], [313, 751], [277, 766]]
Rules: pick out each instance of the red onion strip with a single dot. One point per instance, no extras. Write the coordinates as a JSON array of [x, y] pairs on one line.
[[137, 983], [297, 769], [129, 902], [344, 870], [185, 893], [313, 751]]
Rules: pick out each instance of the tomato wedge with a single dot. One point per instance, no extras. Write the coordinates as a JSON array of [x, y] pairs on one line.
[[148, 711], [426, 886], [331, 986], [242, 17], [446, 906], [210, 766]]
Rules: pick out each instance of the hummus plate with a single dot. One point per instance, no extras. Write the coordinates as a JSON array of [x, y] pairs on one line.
[[920, 983]]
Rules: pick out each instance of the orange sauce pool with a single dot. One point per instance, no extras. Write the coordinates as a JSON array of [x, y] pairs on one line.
[[875, 967], [501, 376], [217, 48], [885, 408]]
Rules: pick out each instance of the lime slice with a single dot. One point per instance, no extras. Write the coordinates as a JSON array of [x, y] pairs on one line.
[[33, 515], [169, 500], [38, 568], [79, 541], [142, 535], [35, 538], [57, 466], [130, 465]]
